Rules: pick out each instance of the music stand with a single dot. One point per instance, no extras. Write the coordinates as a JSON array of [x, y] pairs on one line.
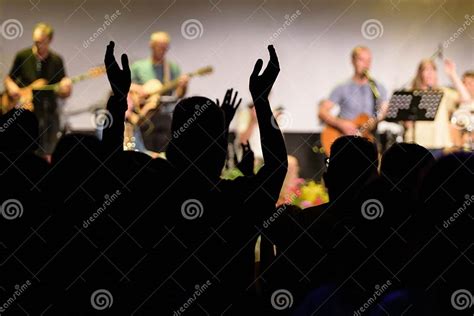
[[417, 105]]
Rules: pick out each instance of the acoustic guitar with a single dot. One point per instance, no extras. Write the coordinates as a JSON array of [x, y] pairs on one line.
[[142, 106], [365, 127], [25, 100], [155, 89]]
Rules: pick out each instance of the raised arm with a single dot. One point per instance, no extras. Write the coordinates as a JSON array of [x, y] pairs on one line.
[[120, 80], [271, 176], [450, 68]]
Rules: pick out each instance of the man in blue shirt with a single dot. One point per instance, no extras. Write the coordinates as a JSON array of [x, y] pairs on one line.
[[355, 96], [157, 67]]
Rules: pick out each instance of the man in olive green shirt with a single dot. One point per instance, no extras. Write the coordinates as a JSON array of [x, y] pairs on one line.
[[157, 67]]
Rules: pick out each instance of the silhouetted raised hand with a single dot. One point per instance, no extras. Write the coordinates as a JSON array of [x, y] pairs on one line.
[[229, 105], [261, 85], [272, 174], [120, 79]]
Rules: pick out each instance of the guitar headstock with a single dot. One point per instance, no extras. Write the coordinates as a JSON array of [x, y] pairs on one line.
[[203, 71], [96, 71]]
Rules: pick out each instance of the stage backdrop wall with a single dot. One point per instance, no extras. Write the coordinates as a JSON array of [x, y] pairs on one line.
[[313, 40]]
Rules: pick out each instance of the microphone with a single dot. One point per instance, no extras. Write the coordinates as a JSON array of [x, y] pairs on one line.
[[440, 52], [366, 73]]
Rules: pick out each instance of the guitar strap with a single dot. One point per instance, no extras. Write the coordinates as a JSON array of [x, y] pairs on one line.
[[166, 72], [375, 96]]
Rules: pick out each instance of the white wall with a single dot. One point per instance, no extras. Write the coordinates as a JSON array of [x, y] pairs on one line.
[[313, 49]]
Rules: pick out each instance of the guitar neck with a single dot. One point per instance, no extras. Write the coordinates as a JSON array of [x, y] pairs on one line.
[[54, 86], [171, 85]]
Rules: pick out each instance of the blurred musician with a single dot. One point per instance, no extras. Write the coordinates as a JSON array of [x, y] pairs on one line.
[[437, 135], [147, 76], [359, 98], [39, 65]]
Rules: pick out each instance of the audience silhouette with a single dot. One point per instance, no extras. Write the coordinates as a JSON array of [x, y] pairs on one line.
[[99, 230]]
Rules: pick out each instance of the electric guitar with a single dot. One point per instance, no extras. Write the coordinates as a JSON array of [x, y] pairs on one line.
[[25, 100], [365, 128]]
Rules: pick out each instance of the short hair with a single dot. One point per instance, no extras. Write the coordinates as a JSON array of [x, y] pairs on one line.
[[468, 74], [160, 36], [45, 28], [352, 163], [356, 50]]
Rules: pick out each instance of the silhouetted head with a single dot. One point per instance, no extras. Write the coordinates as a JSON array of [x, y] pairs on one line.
[[353, 162], [448, 185], [18, 131], [198, 137], [80, 148], [75, 159], [403, 165]]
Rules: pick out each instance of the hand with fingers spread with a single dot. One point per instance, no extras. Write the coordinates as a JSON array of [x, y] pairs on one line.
[[120, 79], [229, 105], [261, 85]]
